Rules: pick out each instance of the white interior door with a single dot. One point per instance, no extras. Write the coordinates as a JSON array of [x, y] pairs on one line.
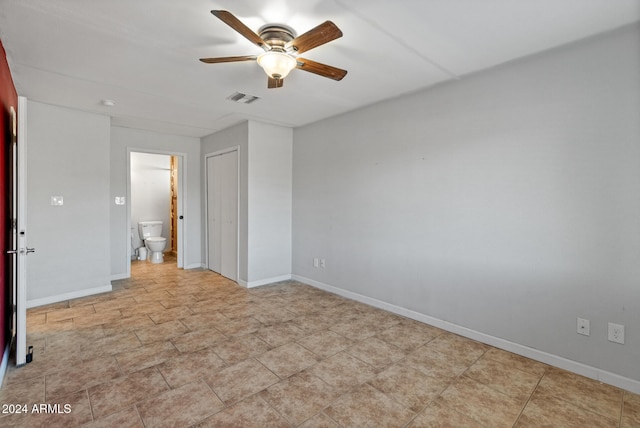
[[229, 216], [213, 214], [12, 249], [222, 214]]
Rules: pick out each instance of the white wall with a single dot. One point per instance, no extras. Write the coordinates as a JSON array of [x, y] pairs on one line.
[[123, 139], [265, 198], [507, 203], [269, 202], [68, 156], [235, 136], [151, 190]]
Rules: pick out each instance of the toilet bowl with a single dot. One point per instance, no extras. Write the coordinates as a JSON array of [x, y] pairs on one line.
[[156, 244], [150, 232]]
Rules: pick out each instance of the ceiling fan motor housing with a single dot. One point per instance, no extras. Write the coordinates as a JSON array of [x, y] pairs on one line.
[[277, 35]]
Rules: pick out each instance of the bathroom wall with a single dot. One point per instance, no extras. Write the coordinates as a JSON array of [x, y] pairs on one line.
[[150, 190]]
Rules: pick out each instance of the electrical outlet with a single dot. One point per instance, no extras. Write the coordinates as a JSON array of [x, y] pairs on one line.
[[583, 327], [616, 333], [323, 264]]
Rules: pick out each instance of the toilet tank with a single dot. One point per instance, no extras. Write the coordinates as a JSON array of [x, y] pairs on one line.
[[148, 229]]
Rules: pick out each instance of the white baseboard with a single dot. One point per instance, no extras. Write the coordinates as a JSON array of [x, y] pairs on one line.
[[5, 362], [252, 284], [534, 354], [68, 296], [195, 266], [118, 276]]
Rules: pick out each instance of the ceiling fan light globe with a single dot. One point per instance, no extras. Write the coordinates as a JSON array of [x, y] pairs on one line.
[[277, 65]]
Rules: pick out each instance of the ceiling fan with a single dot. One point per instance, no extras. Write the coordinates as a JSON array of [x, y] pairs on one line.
[[281, 46]]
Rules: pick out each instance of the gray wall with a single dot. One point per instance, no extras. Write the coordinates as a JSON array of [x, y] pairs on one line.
[[269, 202], [68, 156], [265, 151], [123, 139], [507, 202], [235, 136]]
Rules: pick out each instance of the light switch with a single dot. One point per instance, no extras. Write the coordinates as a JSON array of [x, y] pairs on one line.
[[57, 201], [120, 200]]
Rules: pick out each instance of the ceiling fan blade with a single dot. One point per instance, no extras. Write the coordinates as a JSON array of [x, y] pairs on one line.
[[233, 22], [228, 59], [275, 83], [315, 37], [321, 69]]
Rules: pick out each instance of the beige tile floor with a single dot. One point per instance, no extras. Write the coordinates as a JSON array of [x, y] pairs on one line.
[[181, 348]]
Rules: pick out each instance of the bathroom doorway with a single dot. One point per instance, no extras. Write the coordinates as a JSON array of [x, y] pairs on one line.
[[155, 193]]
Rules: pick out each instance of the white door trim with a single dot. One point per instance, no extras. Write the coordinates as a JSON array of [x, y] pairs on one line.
[[21, 292]]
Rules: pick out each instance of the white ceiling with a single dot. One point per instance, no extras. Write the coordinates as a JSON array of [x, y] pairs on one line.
[[143, 54]]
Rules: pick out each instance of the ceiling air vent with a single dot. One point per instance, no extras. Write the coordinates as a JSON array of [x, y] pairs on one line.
[[239, 97]]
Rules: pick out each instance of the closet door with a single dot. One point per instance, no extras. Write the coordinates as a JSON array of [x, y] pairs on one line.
[[229, 216], [213, 213], [222, 214]]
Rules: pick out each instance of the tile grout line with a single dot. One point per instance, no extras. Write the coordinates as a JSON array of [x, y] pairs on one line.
[[586, 409], [624, 393], [529, 399]]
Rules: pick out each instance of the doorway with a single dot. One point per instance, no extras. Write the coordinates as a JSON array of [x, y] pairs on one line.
[[222, 212], [155, 192]]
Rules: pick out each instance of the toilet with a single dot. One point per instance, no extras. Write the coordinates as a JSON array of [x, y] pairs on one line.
[[150, 232]]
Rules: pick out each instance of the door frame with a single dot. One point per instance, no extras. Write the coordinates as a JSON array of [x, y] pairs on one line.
[[21, 256], [182, 202], [206, 206]]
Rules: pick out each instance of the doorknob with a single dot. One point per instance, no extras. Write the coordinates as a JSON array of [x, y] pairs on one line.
[[21, 251]]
